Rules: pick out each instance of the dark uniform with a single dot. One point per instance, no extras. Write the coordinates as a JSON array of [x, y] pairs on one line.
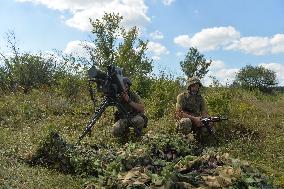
[[136, 120]]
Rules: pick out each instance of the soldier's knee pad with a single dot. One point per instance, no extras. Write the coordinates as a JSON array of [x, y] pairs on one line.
[[120, 128], [184, 125], [138, 121]]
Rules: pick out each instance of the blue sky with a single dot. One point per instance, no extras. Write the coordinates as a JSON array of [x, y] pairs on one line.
[[230, 33]]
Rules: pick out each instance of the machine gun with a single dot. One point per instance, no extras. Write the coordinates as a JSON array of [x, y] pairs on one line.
[[112, 86], [206, 122]]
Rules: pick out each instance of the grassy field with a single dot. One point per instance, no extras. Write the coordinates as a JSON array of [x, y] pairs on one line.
[[254, 132]]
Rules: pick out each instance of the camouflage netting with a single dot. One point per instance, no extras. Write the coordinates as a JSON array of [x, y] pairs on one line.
[[157, 161]]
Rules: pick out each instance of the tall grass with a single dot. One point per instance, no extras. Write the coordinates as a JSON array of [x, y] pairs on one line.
[[253, 132]]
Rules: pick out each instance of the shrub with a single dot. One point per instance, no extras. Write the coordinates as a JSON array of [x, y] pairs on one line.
[[71, 86], [162, 97]]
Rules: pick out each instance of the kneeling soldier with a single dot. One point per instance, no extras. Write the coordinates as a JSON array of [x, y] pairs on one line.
[[190, 108], [131, 102]]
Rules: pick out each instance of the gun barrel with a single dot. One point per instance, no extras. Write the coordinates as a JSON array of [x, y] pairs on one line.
[[223, 118]]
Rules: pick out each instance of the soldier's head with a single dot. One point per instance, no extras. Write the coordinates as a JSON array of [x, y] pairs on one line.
[[193, 85], [127, 83]]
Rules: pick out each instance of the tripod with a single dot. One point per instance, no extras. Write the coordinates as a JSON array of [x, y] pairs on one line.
[[107, 101]]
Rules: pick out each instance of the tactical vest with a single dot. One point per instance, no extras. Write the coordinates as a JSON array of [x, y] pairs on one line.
[[193, 104]]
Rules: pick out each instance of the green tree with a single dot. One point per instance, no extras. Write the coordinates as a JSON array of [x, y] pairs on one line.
[[106, 32], [195, 64], [256, 77], [114, 44], [31, 71], [25, 70], [131, 54]]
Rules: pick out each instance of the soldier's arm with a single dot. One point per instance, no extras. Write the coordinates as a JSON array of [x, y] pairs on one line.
[[137, 104], [139, 107], [184, 114]]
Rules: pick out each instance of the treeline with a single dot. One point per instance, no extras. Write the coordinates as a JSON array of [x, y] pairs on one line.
[[113, 44]]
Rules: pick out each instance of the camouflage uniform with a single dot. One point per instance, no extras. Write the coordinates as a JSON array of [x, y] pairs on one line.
[[136, 120], [194, 105]]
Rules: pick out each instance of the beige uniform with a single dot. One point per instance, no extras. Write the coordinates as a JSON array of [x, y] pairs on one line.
[[194, 105]]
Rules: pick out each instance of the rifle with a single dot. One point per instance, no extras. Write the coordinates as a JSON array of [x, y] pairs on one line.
[[206, 122]]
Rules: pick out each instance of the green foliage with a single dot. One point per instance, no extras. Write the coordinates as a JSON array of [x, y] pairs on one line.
[[131, 55], [4, 81], [71, 86], [142, 85], [162, 96], [195, 64], [31, 71], [167, 160], [127, 53], [218, 100], [160, 158], [25, 70], [106, 32], [256, 77]]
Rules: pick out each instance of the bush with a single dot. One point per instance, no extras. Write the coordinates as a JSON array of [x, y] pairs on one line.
[[71, 86], [30, 71], [162, 97], [218, 100]]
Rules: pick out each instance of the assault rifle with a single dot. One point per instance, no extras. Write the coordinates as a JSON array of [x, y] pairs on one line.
[[112, 86], [206, 122]]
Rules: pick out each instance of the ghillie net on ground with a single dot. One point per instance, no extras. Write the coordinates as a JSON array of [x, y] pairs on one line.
[[159, 160]]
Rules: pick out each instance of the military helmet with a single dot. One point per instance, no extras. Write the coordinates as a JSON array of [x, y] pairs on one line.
[[193, 80], [127, 80]]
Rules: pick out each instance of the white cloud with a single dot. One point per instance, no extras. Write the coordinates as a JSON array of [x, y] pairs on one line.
[[156, 58], [214, 38], [156, 35], [228, 38], [221, 72], [279, 70], [78, 48], [157, 49], [217, 64], [253, 45], [183, 40], [180, 54], [133, 11], [168, 2], [259, 45], [71, 5], [209, 38], [277, 42]]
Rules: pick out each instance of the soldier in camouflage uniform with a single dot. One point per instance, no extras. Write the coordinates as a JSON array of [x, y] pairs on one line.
[[133, 105], [190, 108]]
